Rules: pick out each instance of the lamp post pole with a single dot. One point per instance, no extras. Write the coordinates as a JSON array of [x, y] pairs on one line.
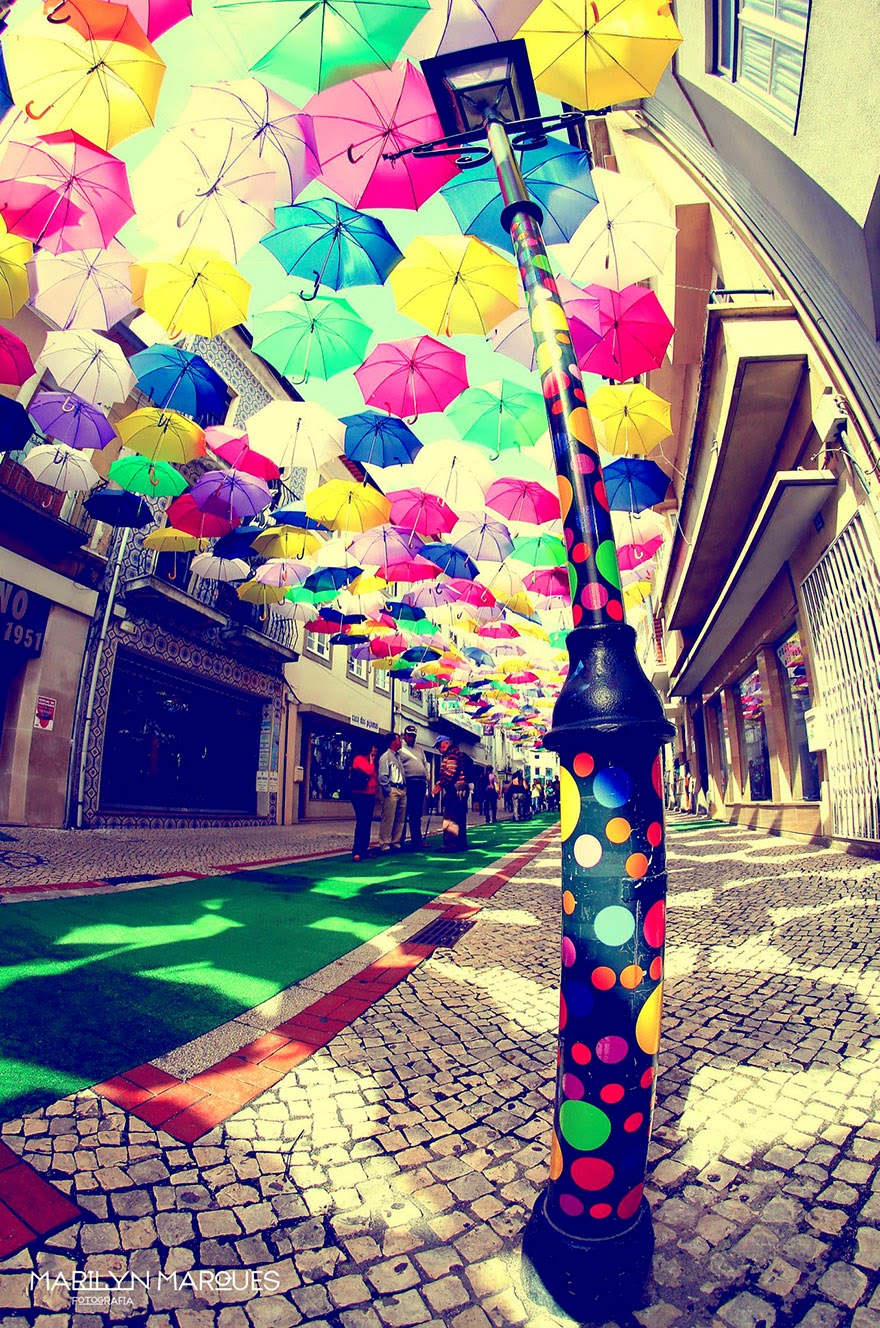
[[589, 1239]]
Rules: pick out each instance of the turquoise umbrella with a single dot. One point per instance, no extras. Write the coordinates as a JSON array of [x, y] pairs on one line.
[[332, 243], [499, 415], [310, 338]]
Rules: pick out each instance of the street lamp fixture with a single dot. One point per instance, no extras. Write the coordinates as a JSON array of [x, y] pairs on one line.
[[589, 1240]]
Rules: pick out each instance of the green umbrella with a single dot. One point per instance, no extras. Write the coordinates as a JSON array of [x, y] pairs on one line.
[[153, 479], [317, 43], [319, 337], [499, 415], [539, 551]]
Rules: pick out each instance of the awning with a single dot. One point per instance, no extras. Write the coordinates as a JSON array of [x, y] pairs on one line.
[[794, 499]]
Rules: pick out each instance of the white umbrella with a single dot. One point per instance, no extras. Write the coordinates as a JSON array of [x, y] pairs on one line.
[[296, 434], [61, 467], [624, 239], [88, 288], [455, 25], [219, 569], [455, 472], [284, 572], [89, 365]]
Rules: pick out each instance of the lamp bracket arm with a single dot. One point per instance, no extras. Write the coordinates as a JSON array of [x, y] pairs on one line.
[[524, 134]]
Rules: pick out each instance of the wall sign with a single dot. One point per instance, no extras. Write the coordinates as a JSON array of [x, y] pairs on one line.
[[23, 618], [44, 714]]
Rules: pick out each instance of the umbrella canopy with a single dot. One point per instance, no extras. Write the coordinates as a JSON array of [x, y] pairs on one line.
[[514, 336], [16, 365], [634, 332], [455, 283], [317, 43], [455, 25], [162, 435], [63, 193], [625, 239], [319, 337], [205, 190], [360, 121], [153, 479], [69, 419], [231, 494], [98, 20], [457, 472], [539, 550], [259, 118], [345, 505], [89, 365], [593, 53], [15, 253], [197, 291], [296, 434], [451, 559], [285, 542], [184, 515], [61, 467], [412, 377], [629, 420], [633, 485], [171, 376], [633, 556], [171, 540], [499, 415], [219, 569], [16, 426], [332, 244], [97, 86], [117, 508], [482, 538], [158, 16], [522, 500], [423, 513], [238, 453], [557, 177], [379, 440], [86, 288]]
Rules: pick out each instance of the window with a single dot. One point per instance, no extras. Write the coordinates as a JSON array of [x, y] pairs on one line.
[[760, 45], [318, 643], [357, 668], [329, 759], [722, 738], [382, 681], [757, 757], [796, 689]]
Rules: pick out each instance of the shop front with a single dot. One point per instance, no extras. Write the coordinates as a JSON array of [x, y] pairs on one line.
[[328, 742]]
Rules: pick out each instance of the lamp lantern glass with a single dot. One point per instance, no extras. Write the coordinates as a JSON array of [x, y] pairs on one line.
[[493, 81]]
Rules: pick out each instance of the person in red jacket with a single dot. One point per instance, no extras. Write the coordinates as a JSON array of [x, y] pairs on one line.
[[362, 788]]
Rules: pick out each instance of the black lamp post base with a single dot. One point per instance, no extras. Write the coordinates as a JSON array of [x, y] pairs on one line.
[[587, 1279]]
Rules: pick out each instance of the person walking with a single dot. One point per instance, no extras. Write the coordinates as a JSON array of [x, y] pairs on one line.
[[362, 788], [393, 787], [415, 772], [490, 797], [452, 783]]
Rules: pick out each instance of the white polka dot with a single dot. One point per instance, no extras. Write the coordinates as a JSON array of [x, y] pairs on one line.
[[587, 850]]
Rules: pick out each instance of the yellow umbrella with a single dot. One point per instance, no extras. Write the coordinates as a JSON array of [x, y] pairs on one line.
[[169, 540], [102, 89], [14, 288], [286, 542], [162, 435], [196, 291], [455, 283], [630, 419], [636, 593], [593, 53], [257, 592], [366, 584], [347, 505]]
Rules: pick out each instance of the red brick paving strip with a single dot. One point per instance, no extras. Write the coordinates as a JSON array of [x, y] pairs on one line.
[[29, 1206]]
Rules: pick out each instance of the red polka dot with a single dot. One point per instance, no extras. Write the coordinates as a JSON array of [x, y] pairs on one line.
[[654, 926], [576, 613], [603, 978], [647, 1078], [579, 393], [563, 1012], [601, 495], [654, 834], [614, 609], [629, 1204], [584, 764], [656, 969], [611, 1092], [633, 1122], [657, 777], [582, 1055], [592, 1173], [580, 553], [557, 407], [601, 1210]]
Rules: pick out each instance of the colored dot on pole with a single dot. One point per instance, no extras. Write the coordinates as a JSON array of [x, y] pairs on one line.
[[601, 1210], [601, 494], [587, 850], [584, 764], [569, 953], [656, 969], [657, 777], [611, 1093], [581, 1054], [572, 1087], [648, 1022], [654, 926], [618, 830], [612, 1049], [632, 977], [647, 1078], [654, 834], [563, 1012], [629, 1204], [583, 1126], [636, 866], [614, 609], [556, 1161], [594, 596], [569, 803], [633, 1122], [614, 925], [567, 902], [592, 1173], [612, 787], [577, 614], [606, 561], [571, 1205], [580, 553], [583, 462], [603, 979]]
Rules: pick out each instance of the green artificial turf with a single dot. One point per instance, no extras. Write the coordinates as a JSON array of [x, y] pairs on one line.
[[92, 986], [698, 825]]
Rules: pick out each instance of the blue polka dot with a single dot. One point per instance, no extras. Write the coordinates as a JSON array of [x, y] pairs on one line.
[[612, 787]]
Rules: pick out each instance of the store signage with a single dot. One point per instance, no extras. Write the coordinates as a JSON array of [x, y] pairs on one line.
[[23, 618], [44, 714], [361, 723]]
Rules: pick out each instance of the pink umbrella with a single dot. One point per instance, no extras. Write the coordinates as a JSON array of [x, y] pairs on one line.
[[16, 365], [184, 515], [413, 376], [634, 332], [501, 631], [384, 545], [424, 513], [408, 569], [232, 494], [157, 16], [522, 500], [514, 336], [63, 193], [384, 647], [630, 556], [548, 581], [88, 288], [239, 454], [358, 122]]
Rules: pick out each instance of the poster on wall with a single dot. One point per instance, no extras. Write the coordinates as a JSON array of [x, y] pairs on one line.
[[44, 713]]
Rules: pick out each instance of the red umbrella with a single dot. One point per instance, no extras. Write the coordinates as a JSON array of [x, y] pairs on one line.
[[383, 647], [63, 193], [408, 569], [634, 332], [413, 376], [522, 500], [241, 456], [424, 513], [548, 581], [99, 21], [16, 365], [183, 514], [501, 631]]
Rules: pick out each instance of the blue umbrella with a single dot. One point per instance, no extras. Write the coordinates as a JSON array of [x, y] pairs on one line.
[[558, 178], [294, 514], [395, 609], [237, 544], [332, 244], [329, 580], [182, 381], [481, 658], [451, 559], [117, 507], [633, 484], [379, 440]]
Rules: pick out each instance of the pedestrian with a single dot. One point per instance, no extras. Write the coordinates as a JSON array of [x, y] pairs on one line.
[[415, 772], [490, 797], [362, 788], [518, 797], [392, 785], [452, 784], [508, 795]]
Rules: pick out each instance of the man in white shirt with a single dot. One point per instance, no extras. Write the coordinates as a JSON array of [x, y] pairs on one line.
[[392, 785], [415, 770]]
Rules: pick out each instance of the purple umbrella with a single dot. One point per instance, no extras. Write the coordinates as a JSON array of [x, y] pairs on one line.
[[232, 494], [69, 419], [385, 544]]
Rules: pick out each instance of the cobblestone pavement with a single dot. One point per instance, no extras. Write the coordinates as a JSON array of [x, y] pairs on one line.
[[386, 1180]]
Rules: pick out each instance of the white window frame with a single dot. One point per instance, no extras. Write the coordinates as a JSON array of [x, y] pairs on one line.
[[735, 22]]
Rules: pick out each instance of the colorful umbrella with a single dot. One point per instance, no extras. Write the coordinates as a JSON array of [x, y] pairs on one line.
[[455, 25], [158, 16], [117, 508], [522, 500], [633, 556], [548, 582], [296, 434], [454, 283], [344, 505], [457, 472], [318, 337], [173, 377], [153, 479], [89, 365], [98, 87], [16, 365], [238, 453], [625, 239], [412, 377], [15, 252], [362, 120], [451, 559], [88, 288], [632, 485], [557, 177], [285, 542], [629, 420], [332, 244], [379, 440], [69, 419], [482, 538], [254, 592], [98, 21], [61, 467], [231, 494], [162, 435], [499, 415], [423, 513], [197, 291], [184, 515], [16, 426], [171, 540], [281, 134], [593, 53], [539, 550], [317, 43], [219, 569], [634, 332]]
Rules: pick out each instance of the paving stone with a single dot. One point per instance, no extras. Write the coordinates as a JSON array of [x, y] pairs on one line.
[[843, 1284], [402, 1310], [748, 1311], [867, 1253]]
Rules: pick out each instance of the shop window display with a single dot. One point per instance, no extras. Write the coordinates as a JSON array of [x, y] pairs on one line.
[[798, 699], [757, 757], [328, 767]]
